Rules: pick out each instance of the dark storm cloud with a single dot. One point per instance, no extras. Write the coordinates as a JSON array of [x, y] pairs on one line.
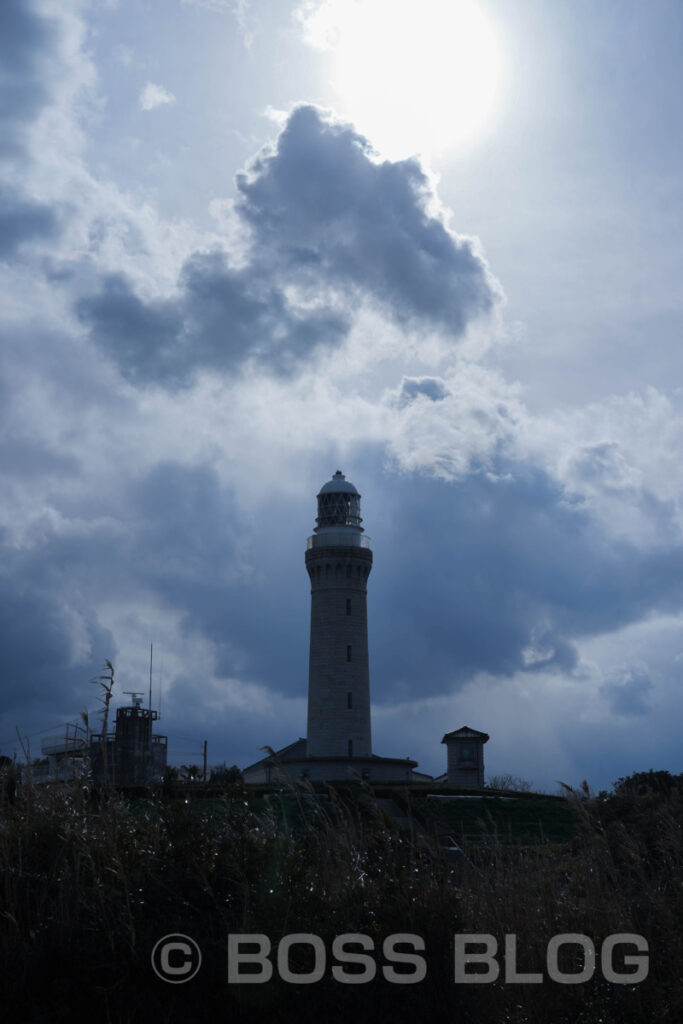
[[24, 459], [21, 221], [220, 317], [173, 537], [141, 337], [626, 692], [173, 533], [50, 645], [324, 217], [25, 39], [480, 575], [27, 45], [243, 588], [320, 201], [185, 532], [232, 314], [499, 575], [169, 534]]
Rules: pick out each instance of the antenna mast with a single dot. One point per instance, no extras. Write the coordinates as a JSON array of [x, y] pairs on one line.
[[151, 648]]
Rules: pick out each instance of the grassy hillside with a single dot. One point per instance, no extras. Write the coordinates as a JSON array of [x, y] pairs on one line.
[[88, 888], [446, 813]]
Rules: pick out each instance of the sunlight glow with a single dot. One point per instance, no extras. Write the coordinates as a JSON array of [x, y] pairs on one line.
[[413, 76]]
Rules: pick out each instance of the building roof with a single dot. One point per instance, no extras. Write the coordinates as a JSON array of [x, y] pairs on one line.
[[465, 733], [292, 752], [297, 752], [338, 485]]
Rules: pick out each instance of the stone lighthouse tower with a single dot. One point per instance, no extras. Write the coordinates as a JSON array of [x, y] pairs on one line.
[[337, 745], [338, 561]]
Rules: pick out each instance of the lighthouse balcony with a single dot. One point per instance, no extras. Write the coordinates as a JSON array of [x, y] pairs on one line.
[[344, 538]]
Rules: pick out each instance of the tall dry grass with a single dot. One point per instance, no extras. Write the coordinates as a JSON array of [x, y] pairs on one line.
[[88, 886]]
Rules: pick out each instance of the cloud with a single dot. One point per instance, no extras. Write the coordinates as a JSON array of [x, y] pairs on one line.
[[139, 336], [626, 691], [241, 9], [433, 388], [153, 96], [234, 314], [50, 639], [452, 425], [170, 543], [219, 6], [330, 230], [28, 458], [26, 40], [220, 318], [321, 202], [619, 458], [83, 559], [499, 573], [22, 220]]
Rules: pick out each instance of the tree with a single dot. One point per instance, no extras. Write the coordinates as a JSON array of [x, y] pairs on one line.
[[513, 783]]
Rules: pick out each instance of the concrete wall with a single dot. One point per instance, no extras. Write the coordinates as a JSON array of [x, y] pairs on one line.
[[375, 770]]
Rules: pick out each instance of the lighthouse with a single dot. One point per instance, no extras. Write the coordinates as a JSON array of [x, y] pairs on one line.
[[338, 561], [338, 742]]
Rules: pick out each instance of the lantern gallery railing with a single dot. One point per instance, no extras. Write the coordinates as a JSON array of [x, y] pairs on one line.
[[348, 538]]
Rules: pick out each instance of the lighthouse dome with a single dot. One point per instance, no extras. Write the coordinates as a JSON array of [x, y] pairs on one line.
[[338, 505], [338, 485]]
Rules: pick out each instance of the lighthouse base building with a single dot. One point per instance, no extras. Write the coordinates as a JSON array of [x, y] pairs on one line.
[[338, 744], [291, 763]]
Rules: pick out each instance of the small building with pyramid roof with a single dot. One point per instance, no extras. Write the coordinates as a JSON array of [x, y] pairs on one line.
[[465, 760]]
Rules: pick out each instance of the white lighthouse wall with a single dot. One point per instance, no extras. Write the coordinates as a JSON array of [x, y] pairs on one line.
[[338, 663]]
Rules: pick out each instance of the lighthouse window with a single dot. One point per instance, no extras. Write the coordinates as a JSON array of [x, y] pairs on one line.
[[349, 700], [338, 509], [348, 653], [348, 605]]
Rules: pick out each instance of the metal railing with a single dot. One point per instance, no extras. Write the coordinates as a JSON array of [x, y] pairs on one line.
[[338, 539]]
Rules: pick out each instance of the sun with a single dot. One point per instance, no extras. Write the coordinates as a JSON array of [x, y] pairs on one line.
[[413, 75]]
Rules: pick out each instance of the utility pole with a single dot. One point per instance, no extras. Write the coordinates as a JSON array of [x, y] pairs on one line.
[[205, 742]]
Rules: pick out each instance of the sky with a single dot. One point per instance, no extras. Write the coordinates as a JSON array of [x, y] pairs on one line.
[[246, 243]]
